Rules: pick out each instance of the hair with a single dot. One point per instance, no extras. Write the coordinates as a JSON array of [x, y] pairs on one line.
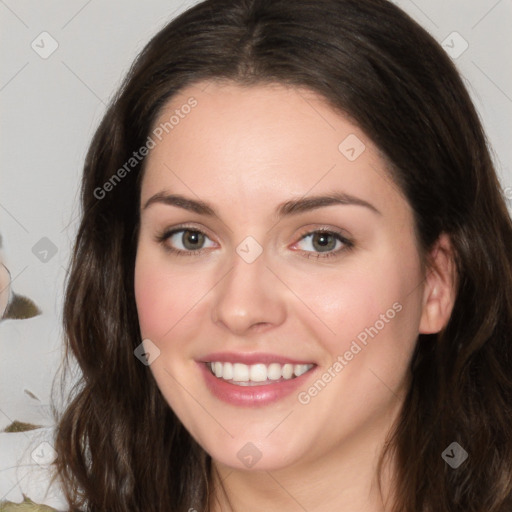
[[120, 446]]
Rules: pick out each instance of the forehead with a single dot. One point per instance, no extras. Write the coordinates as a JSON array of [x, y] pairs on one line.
[[264, 143]]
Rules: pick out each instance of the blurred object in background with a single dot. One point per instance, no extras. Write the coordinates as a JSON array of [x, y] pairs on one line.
[[5, 289], [12, 305]]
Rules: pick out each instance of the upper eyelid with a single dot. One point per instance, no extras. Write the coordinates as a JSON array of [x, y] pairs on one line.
[[172, 231], [340, 236]]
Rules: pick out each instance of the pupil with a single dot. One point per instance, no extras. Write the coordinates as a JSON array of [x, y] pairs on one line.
[[193, 238], [323, 240]]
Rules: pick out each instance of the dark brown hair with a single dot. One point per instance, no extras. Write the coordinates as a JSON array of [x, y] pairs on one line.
[[120, 446]]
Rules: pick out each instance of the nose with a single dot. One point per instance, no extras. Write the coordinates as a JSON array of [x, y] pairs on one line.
[[250, 298]]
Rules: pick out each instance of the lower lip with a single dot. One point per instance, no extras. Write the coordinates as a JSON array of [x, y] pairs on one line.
[[251, 396]]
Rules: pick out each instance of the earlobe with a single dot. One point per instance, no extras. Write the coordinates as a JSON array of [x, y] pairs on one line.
[[440, 287]]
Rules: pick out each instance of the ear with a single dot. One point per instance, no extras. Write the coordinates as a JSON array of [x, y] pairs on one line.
[[440, 287]]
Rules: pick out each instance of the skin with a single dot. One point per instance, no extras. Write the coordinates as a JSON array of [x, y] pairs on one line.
[[245, 151]]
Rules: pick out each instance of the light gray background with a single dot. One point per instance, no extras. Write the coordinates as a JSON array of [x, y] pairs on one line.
[[49, 110]]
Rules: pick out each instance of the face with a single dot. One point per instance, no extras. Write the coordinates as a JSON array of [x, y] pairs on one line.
[[276, 252]]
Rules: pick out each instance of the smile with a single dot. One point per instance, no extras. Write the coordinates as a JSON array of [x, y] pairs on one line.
[[241, 374], [254, 379]]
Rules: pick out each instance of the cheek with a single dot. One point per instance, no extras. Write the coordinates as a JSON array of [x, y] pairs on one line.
[[374, 312], [380, 300], [147, 296], [154, 293], [166, 296]]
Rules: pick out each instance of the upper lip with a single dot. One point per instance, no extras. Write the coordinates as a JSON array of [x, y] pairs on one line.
[[250, 358]]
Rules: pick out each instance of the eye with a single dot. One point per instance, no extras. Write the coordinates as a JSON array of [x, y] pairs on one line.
[[188, 241], [326, 243], [184, 241]]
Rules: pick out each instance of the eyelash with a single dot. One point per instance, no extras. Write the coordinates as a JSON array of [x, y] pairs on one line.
[[347, 244]]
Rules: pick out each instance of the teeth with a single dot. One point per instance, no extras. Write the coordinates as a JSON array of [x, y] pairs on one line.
[[218, 369], [274, 371], [240, 372], [287, 371], [227, 371], [258, 372], [243, 373], [299, 369]]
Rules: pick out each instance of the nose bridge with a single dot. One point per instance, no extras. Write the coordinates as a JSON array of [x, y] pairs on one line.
[[248, 265], [247, 295]]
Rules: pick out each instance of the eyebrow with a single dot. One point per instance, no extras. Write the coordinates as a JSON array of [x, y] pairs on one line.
[[291, 207]]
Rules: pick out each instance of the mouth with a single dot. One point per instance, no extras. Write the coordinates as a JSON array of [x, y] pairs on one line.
[[249, 380], [259, 374]]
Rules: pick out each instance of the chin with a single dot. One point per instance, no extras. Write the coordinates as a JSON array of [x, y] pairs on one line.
[[255, 451]]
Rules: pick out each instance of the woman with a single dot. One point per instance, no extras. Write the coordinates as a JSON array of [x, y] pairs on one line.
[[339, 337]]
